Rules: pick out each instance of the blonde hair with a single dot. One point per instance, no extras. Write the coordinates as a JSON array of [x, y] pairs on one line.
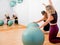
[[49, 7]]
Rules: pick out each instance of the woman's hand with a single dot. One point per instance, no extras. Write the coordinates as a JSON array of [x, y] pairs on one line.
[[50, 3], [35, 22], [40, 26], [44, 4], [40, 20]]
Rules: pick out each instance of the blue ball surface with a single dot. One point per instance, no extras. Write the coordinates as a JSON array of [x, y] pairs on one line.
[[10, 22], [1, 22], [33, 36], [33, 24]]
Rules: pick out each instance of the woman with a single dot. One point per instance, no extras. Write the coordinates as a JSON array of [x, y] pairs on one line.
[[52, 19], [7, 17], [46, 28], [16, 19]]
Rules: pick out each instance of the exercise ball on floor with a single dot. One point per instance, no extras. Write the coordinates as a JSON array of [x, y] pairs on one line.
[[33, 24], [1, 22], [33, 36], [10, 22]]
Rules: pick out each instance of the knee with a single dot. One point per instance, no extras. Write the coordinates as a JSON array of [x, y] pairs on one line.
[[52, 41]]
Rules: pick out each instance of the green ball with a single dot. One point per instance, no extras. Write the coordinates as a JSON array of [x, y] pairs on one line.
[[12, 3], [20, 1], [1, 22], [33, 36], [10, 22], [33, 24]]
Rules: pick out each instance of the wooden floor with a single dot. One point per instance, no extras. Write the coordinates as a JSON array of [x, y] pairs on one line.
[[13, 35]]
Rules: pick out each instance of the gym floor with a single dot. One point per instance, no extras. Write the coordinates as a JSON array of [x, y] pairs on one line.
[[13, 35]]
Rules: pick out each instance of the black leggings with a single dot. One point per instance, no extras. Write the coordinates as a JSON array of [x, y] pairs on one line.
[[46, 28], [16, 22], [7, 22]]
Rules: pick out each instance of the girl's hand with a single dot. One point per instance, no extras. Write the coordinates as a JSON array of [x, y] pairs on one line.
[[44, 4], [34, 22], [40, 26]]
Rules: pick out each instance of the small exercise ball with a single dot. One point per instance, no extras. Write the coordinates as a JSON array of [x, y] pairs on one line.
[[20, 1], [10, 22], [33, 24], [12, 3], [33, 36], [1, 22]]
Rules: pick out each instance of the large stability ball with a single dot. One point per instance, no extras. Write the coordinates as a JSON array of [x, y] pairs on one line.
[[1, 22], [12, 3], [10, 22], [33, 36], [32, 25]]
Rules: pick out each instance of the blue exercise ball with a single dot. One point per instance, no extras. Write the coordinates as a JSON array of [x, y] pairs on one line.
[[1, 22], [10, 22], [20, 1], [33, 24], [12, 3], [33, 36]]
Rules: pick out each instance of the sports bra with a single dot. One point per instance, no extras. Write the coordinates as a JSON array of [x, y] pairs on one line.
[[8, 17], [16, 18], [55, 18]]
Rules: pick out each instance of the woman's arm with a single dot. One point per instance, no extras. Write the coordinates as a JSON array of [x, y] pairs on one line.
[[40, 20], [44, 4], [47, 21], [50, 3]]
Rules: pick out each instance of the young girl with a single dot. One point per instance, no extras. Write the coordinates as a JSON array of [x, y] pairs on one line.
[[52, 19], [46, 28], [16, 19], [7, 17]]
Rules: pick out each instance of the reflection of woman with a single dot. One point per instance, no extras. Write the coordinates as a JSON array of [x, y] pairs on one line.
[[52, 19], [16, 19], [7, 17], [46, 28]]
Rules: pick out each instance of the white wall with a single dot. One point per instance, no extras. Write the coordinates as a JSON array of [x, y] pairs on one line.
[[29, 10], [35, 9], [22, 11], [5, 9]]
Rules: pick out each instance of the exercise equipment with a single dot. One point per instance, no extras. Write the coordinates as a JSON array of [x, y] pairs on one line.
[[33, 36], [1, 22], [33, 24], [20, 1], [12, 3], [10, 22]]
